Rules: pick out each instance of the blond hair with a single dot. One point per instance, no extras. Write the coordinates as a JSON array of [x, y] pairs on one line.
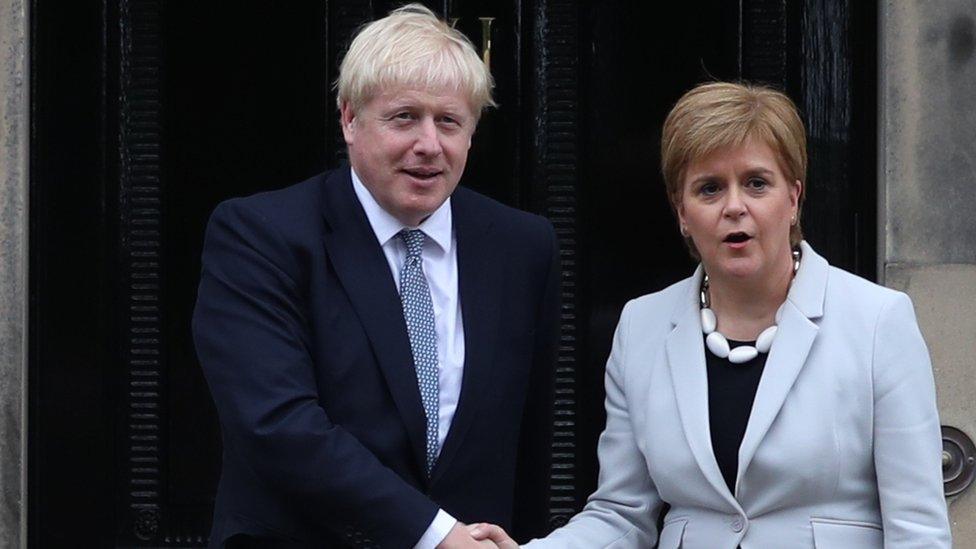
[[412, 48], [718, 115]]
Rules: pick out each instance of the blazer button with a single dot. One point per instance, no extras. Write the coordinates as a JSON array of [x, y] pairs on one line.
[[737, 524]]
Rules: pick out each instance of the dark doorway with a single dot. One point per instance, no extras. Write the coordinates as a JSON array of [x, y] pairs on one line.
[[146, 114]]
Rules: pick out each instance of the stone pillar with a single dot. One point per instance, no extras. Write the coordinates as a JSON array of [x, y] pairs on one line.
[[927, 194], [14, 139]]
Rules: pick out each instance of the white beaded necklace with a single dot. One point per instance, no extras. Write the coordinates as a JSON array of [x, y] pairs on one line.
[[718, 344]]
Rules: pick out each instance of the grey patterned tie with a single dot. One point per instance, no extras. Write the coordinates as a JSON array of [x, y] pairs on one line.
[[418, 310]]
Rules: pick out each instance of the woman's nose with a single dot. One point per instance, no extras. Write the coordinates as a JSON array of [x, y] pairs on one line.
[[734, 205]]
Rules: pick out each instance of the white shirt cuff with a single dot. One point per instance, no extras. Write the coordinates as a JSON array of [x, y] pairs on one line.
[[439, 528]]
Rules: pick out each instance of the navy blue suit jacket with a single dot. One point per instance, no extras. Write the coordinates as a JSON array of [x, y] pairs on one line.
[[299, 329]]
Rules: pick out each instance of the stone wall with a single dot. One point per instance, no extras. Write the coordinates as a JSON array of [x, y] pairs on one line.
[[14, 137], [927, 210]]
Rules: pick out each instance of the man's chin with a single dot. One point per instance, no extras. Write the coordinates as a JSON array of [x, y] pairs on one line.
[[424, 200], [417, 213]]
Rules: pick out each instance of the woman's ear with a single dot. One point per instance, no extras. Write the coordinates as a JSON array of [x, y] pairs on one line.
[[795, 194]]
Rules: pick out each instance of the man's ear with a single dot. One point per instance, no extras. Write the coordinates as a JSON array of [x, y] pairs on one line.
[[348, 119]]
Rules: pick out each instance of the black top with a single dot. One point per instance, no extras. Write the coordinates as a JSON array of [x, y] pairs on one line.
[[731, 390]]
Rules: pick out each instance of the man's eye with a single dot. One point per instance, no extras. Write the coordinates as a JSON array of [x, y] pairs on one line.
[[450, 121], [403, 116]]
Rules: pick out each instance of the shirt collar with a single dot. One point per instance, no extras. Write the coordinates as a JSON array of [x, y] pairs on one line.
[[436, 227]]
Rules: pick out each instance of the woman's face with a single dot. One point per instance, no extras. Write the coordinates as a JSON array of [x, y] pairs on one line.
[[737, 206]]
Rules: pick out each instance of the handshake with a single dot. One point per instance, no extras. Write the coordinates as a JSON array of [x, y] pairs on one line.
[[481, 535]]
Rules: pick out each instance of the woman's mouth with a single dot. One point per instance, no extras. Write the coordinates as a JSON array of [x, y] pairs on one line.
[[737, 240]]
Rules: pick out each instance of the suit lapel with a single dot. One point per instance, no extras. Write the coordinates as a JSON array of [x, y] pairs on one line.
[[686, 359], [479, 292], [789, 352], [362, 269]]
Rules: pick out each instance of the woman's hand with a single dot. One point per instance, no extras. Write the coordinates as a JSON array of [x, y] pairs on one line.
[[484, 530]]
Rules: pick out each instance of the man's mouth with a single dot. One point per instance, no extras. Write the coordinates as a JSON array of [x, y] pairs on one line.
[[736, 238], [423, 174]]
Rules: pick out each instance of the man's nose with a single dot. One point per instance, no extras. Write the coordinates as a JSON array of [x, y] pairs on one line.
[[428, 140]]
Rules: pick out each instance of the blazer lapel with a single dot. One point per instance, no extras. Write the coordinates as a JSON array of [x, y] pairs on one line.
[[786, 358], [686, 358], [479, 292], [362, 269]]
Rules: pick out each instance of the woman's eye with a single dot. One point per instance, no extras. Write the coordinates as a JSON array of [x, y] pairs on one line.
[[708, 189], [757, 183]]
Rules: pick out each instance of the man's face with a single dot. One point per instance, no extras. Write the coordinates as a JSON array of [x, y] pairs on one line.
[[409, 148]]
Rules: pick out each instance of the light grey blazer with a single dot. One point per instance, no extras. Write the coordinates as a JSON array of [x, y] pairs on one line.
[[842, 449]]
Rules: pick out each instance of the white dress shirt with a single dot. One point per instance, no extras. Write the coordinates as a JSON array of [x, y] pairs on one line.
[[439, 262]]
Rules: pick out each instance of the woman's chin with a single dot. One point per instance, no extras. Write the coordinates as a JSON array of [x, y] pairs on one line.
[[740, 269]]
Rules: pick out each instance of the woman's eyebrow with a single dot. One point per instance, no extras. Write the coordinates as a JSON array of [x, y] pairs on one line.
[[759, 170]]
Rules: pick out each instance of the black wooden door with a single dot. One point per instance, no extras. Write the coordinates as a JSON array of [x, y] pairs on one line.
[[146, 113]]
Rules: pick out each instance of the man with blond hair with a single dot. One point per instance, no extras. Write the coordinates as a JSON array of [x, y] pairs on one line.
[[379, 341]]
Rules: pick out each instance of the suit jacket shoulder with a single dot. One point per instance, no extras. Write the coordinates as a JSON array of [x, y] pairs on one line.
[[510, 224], [662, 299], [286, 225], [653, 309], [292, 210], [852, 290]]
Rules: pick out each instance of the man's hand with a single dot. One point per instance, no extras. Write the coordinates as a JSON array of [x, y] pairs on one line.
[[485, 531], [459, 538]]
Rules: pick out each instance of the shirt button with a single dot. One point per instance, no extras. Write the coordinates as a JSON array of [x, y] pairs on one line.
[[737, 524]]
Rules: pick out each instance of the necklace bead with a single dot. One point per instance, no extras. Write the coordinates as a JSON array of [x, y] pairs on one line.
[[742, 354], [765, 340], [718, 345], [708, 320]]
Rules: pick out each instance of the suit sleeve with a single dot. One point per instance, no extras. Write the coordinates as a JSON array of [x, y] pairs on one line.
[[252, 337], [907, 435], [622, 512], [535, 436]]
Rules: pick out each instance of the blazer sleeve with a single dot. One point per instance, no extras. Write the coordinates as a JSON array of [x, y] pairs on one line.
[[252, 339], [907, 434], [622, 512]]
